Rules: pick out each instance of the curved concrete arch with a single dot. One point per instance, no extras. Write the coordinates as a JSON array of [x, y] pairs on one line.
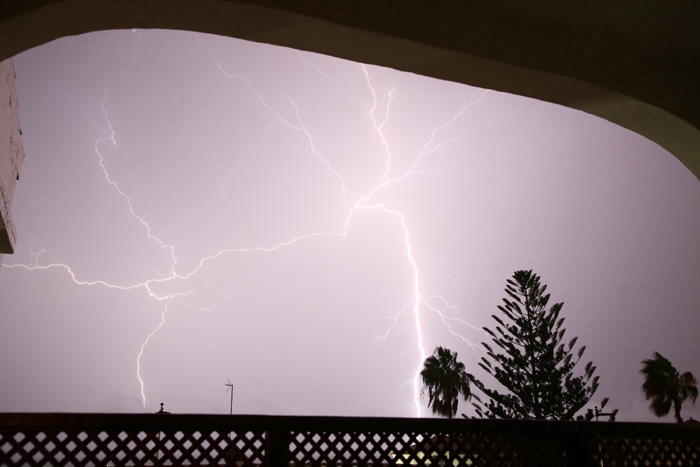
[[633, 63]]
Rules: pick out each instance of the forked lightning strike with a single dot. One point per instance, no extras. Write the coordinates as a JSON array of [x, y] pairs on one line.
[[419, 302]]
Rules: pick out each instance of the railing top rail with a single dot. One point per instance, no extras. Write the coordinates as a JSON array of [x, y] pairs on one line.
[[114, 421]]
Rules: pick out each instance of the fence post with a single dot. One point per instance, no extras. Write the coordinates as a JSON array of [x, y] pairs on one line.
[[278, 448], [579, 453]]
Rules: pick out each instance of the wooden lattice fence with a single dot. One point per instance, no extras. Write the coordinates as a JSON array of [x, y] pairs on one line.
[[194, 440]]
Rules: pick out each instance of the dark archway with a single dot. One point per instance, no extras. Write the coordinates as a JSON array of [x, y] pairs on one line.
[[632, 63]]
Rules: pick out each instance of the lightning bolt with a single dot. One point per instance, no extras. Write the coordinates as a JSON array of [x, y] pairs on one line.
[[419, 299], [109, 137], [416, 305]]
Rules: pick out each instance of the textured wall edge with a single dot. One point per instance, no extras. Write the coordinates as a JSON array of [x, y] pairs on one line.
[[11, 153]]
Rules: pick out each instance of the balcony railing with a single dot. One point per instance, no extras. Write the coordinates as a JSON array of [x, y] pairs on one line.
[[35, 439]]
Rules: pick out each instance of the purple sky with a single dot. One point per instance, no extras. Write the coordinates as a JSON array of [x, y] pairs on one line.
[[310, 228]]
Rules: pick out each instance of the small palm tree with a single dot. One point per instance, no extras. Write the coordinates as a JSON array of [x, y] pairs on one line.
[[666, 387], [445, 379]]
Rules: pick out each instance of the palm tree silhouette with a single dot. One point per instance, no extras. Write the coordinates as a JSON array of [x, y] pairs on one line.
[[445, 380], [666, 387]]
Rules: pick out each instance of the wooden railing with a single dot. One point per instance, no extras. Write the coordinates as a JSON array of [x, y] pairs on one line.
[[34, 439]]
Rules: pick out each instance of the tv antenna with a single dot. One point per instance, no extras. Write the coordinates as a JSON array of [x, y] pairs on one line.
[[229, 386]]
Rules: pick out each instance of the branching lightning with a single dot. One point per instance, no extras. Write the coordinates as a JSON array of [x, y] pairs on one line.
[[419, 303]]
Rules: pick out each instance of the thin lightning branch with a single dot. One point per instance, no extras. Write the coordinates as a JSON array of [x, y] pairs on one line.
[[302, 127], [202, 308], [323, 73], [395, 321], [143, 348], [430, 263], [299, 127], [73, 277], [379, 126], [35, 254], [160, 325], [112, 138], [270, 249], [134, 60], [425, 152], [408, 351]]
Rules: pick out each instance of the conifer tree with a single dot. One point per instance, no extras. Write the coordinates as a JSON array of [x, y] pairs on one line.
[[530, 361]]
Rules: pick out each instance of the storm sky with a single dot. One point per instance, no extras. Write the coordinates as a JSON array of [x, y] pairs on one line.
[[194, 209]]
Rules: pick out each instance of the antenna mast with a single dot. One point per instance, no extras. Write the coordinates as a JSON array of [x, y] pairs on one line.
[[230, 386]]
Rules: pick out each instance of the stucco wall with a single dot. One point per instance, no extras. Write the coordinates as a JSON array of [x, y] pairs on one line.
[[11, 153]]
